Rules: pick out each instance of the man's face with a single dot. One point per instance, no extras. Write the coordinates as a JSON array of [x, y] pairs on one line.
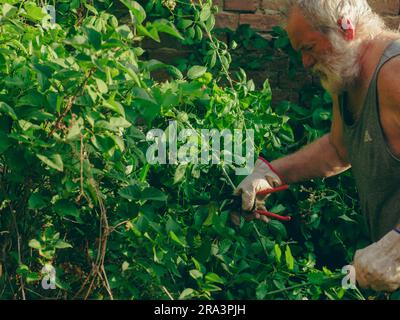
[[318, 53]]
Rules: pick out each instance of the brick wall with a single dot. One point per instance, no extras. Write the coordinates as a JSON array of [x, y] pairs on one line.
[[262, 15]]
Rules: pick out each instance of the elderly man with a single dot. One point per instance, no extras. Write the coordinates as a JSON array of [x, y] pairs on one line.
[[358, 61]]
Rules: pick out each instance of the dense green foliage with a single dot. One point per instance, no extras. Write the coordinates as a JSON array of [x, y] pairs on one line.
[[77, 194]]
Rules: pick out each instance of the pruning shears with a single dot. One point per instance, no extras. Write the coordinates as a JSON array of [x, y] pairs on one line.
[[237, 204], [270, 214]]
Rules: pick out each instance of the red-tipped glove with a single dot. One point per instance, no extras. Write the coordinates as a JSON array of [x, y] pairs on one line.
[[255, 188]]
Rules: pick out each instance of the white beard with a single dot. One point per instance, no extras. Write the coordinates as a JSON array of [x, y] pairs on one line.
[[341, 68]]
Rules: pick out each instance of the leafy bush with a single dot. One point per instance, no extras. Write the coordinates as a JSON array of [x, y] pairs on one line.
[[77, 194]]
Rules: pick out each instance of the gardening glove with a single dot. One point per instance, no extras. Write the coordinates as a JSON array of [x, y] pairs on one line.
[[263, 178], [378, 266]]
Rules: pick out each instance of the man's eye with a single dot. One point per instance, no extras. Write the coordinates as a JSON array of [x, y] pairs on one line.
[[308, 48]]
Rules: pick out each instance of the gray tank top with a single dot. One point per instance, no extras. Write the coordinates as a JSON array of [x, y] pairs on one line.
[[375, 168]]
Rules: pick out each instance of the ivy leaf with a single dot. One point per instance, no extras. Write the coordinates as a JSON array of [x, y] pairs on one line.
[[196, 72], [53, 161]]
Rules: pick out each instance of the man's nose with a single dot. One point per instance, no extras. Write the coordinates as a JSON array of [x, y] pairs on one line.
[[308, 61]]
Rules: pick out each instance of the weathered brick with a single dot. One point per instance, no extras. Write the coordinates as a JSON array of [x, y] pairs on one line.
[[279, 95], [167, 55], [227, 20], [259, 77], [271, 5], [280, 64], [385, 7], [219, 4], [260, 22], [299, 81], [166, 41], [240, 5], [393, 22]]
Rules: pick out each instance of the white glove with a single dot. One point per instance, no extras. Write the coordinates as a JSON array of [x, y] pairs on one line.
[[263, 178], [378, 266]]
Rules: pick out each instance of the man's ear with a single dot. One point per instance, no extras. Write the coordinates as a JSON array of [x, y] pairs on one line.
[[347, 28]]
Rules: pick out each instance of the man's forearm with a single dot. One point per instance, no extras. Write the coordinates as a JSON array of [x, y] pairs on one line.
[[319, 159]]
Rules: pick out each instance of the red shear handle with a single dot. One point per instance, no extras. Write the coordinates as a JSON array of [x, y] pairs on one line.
[[269, 191], [273, 215]]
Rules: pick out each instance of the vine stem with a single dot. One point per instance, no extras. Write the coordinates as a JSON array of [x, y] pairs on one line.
[[71, 101], [253, 223]]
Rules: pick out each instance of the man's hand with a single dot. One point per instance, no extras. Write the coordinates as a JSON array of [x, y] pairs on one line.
[[378, 266], [263, 177]]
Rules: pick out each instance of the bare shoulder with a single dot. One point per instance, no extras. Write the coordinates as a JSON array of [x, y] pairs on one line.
[[389, 84]]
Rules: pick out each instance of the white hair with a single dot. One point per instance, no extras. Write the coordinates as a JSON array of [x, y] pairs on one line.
[[324, 15]]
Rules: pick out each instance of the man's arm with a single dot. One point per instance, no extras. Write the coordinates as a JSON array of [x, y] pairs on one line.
[[326, 157]]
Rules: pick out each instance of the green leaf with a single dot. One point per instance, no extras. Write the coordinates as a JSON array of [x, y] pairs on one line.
[[165, 26], [347, 218], [196, 274], [289, 258], [176, 239], [94, 37], [33, 277], [36, 201], [262, 290], [62, 245], [5, 142], [101, 86], [8, 10], [213, 277], [205, 13], [135, 193], [180, 173], [196, 72], [5, 108], [136, 9], [187, 293], [33, 12], [278, 253], [114, 106], [65, 208], [152, 33], [74, 132], [53, 161], [35, 244]]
